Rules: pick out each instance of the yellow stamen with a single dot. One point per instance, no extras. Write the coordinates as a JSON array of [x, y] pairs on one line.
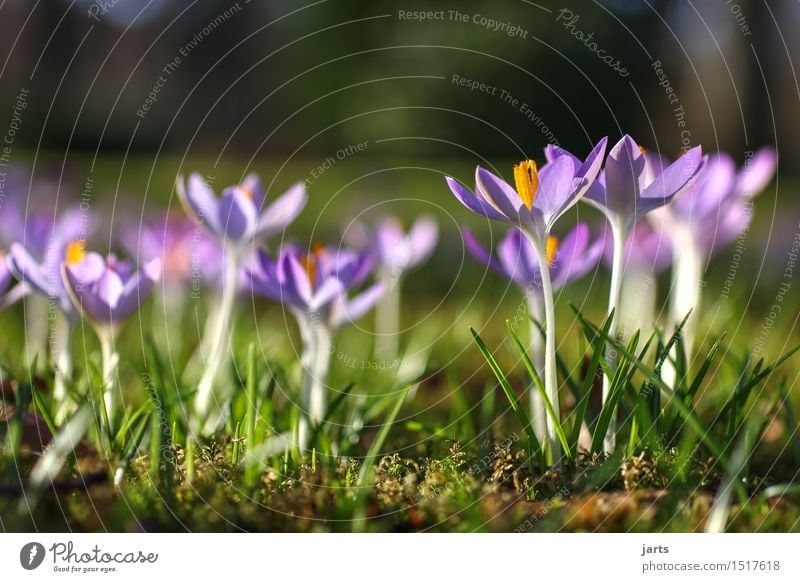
[[309, 262], [641, 149], [527, 181], [247, 191], [75, 252], [552, 249]]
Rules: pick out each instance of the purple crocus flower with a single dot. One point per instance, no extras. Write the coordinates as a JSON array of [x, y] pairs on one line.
[[629, 187], [169, 238], [633, 184], [315, 284], [236, 219], [569, 260], [709, 216], [43, 278], [399, 251], [7, 296], [516, 260], [539, 198], [107, 291], [396, 251], [241, 214]]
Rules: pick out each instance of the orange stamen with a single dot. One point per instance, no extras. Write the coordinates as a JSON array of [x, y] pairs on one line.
[[75, 252], [552, 250], [526, 180]]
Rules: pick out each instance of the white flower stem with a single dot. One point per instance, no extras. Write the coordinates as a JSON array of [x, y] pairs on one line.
[[220, 339], [538, 412], [620, 235], [36, 323], [387, 318], [61, 355], [316, 361], [550, 370], [687, 271], [106, 336]]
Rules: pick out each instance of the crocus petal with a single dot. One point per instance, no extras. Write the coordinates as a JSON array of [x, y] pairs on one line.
[[556, 193], [327, 292], [254, 188], [296, 278], [481, 254], [26, 269], [237, 215], [423, 237], [756, 173], [676, 178], [706, 198], [136, 290], [356, 307], [5, 274], [575, 256], [281, 213], [515, 254], [624, 177], [199, 201], [498, 193], [468, 199]]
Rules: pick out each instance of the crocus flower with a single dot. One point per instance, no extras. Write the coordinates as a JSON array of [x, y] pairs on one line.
[[106, 291], [35, 260], [539, 199], [568, 261], [627, 190], [241, 215], [9, 295], [709, 216], [237, 219], [315, 286], [398, 251]]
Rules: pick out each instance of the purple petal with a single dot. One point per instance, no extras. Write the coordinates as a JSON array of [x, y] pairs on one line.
[[136, 290], [237, 215], [328, 290], [756, 173], [5, 273], [281, 213], [423, 237], [555, 194], [625, 175], [480, 253], [358, 306], [674, 180], [575, 256], [199, 202], [518, 259], [254, 188], [26, 269], [706, 198], [473, 203], [296, 278], [498, 193]]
